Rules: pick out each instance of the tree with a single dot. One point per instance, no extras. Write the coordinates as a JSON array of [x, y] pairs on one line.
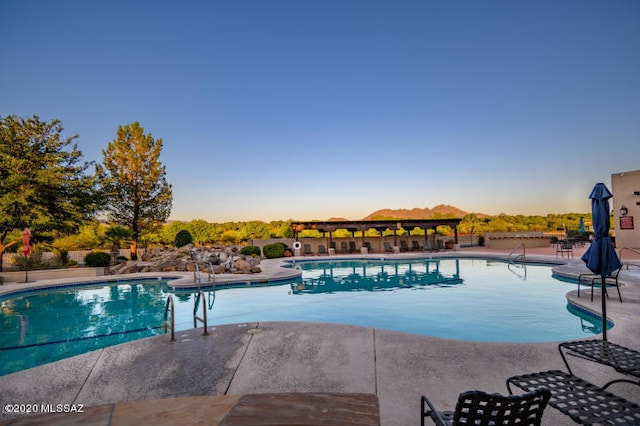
[[44, 185], [116, 236], [134, 182]]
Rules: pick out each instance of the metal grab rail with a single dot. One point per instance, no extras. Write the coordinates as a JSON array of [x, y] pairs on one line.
[[629, 249], [522, 256], [170, 324], [197, 276], [211, 273], [202, 319]]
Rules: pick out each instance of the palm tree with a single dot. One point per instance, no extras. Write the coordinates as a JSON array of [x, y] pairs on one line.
[[117, 235]]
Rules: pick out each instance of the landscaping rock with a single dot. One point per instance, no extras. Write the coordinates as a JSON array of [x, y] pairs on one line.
[[220, 259]]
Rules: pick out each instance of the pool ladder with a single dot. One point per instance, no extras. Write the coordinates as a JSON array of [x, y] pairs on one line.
[[169, 308], [170, 315], [197, 276], [522, 257]]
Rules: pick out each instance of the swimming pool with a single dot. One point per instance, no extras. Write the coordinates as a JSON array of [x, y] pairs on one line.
[[474, 299]]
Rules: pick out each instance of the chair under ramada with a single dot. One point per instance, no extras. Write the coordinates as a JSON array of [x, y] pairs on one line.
[[564, 247], [481, 408]]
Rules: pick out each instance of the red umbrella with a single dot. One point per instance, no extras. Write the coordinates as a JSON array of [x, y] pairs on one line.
[[26, 251], [26, 236]]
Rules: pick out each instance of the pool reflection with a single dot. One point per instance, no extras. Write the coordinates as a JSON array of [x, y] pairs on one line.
[[375, 276]]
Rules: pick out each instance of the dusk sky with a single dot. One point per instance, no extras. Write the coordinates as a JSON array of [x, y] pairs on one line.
[[276, 110]]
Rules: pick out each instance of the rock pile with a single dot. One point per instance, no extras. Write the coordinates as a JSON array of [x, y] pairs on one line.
[[218, 259]]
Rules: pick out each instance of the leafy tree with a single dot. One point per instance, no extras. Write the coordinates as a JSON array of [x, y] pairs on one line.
[[43, 183], [170, 230], [254, 229], [87, 237], [203, 231], [281, 229], [139, 196]]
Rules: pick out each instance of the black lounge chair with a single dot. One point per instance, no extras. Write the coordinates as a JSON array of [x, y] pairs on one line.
[[388, 248], [403, 245], [481, 408], [584, 402], [307, 250], [322, 249], [415, 246], [352, 247]]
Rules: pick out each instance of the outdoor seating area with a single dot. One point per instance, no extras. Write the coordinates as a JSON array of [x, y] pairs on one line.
[[585, 402], [415, 244]]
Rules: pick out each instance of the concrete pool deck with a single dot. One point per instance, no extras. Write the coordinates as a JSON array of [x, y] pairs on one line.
[[204, 375]]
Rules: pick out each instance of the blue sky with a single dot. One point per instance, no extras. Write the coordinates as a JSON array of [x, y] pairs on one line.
[[275, 110]]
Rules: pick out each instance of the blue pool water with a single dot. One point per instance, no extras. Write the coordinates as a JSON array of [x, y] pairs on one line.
[[473, 299]]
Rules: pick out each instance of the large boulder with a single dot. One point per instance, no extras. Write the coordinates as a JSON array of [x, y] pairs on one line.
[[241, 266]]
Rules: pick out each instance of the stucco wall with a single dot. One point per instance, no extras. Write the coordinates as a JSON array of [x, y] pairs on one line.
[[625, 186]]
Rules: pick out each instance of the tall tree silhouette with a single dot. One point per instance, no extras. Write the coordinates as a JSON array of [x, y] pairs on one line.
[[138, 195]]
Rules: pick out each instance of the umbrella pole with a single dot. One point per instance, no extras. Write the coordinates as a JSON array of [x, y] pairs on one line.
[[604, 309]]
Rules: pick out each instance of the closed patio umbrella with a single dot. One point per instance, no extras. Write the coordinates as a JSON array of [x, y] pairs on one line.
[[26, 251], [601, 256]]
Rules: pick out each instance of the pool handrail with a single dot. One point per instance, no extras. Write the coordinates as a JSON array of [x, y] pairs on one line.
[[169, 306], [202, 319], [522, 256], [629, 249]]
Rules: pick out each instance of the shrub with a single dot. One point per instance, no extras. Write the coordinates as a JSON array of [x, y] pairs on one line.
[[250, 251], [34, 262], [274, 250], [97, 259], [183, 238]]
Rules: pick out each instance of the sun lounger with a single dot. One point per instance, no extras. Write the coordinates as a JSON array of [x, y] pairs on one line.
[[584, 402]]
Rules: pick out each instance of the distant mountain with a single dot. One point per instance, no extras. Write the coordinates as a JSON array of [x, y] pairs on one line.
[[417, 213]]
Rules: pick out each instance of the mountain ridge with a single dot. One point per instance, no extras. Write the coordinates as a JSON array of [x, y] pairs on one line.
[[439, 211]]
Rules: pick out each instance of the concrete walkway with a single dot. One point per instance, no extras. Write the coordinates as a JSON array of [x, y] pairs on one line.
[[274, 357]]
